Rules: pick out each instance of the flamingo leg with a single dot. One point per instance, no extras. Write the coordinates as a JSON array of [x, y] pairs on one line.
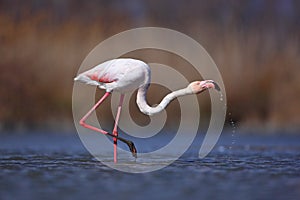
[[115, 131], [82, 121], [84, 124]]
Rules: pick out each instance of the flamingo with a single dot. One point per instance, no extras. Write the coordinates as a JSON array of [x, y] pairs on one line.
[[124, 75]]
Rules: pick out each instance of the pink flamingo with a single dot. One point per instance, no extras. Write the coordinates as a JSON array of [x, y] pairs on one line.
[[124, 75]]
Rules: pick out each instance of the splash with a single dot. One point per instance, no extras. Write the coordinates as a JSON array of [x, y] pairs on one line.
[[233, 131]]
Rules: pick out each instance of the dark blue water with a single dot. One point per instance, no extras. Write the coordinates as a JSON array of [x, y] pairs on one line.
[[52, 166]]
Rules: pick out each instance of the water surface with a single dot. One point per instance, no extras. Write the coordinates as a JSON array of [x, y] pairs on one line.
[[52, 166]]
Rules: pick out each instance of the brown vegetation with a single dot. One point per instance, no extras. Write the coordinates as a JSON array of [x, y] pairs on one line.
[[255, 45]]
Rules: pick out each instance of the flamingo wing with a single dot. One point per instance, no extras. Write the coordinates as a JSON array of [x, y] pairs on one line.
[[106, 72], [99, 75], [118, 74]]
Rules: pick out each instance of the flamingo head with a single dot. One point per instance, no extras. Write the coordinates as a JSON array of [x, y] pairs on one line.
[[200, 86]]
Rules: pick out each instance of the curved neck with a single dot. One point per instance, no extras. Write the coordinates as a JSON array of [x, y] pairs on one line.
[[148, 110]]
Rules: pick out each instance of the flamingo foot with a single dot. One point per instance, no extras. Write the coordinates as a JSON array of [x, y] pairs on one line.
[[132, 148], [129, 143]]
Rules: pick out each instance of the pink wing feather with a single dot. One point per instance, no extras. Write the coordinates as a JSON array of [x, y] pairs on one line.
[[96, 76]]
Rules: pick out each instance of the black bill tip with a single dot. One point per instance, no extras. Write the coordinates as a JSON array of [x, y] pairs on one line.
[[217, 87]]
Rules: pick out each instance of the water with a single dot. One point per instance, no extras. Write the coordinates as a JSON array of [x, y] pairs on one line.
[[51, 166]]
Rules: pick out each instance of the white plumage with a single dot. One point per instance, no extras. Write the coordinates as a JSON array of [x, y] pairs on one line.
[[122, 75]]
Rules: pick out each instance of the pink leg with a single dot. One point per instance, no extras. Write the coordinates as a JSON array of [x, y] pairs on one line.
[[115, 135], [82, 121], [115, 131]]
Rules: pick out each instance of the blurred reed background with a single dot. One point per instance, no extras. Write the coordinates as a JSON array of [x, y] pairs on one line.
[[255, 44]]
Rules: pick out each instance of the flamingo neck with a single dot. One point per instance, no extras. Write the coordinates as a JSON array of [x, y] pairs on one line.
[[149, 110]]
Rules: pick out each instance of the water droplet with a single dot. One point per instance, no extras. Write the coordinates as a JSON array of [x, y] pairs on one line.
[[221, 96]]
